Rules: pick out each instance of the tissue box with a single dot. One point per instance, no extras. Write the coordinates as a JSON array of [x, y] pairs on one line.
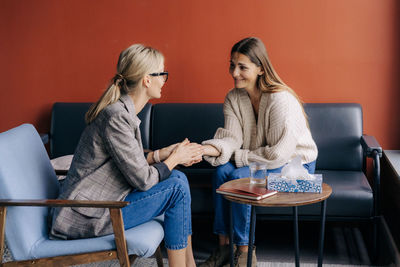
[[282, 184]]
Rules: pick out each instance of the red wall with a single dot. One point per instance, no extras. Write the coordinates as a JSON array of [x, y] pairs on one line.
[[326, 50]]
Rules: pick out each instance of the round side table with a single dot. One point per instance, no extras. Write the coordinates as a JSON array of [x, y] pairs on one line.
[[281, 199]]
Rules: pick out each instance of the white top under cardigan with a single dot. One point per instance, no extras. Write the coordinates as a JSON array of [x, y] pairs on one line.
[[280, 133]]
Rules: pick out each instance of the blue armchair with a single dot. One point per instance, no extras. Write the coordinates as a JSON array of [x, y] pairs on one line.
[[29, 186]]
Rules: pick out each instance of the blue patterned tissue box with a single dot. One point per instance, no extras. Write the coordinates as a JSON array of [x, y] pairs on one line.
[[282, 184]]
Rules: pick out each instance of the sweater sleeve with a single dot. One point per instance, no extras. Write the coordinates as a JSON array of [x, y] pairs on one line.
[[228, 139], [286, 121]]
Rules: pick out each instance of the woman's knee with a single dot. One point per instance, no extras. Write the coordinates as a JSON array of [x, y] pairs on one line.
[[180, 184], [179, 175], [240, 173], [222, 173]]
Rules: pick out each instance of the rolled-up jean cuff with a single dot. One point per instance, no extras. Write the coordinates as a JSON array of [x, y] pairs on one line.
[[176, 247], [241, 243]]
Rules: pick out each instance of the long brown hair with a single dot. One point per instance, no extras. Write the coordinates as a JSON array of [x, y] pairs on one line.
[[269, 81], [133, 64]]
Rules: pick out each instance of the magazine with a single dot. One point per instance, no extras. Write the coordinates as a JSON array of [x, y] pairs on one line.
[[248, 191]]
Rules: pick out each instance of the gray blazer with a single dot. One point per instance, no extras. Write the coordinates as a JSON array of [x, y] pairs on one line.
[[108, 163]]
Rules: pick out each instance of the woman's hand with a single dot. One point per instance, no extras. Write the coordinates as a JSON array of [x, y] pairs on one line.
[[185, 153], [197, 159], [189, 152], [166, 151]]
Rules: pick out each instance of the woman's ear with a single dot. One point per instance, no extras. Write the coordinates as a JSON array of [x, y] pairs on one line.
[[260, 71], [146, 81]]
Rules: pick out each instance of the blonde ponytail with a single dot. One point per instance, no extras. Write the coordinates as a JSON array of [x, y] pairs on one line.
[[110, 96], [133, 64]]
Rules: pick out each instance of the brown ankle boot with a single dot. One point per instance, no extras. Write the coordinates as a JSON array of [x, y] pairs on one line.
[[240, 259], [218, 258]]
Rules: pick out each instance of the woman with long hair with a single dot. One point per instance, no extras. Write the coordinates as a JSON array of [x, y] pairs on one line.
[[110, 164], [264, 122]]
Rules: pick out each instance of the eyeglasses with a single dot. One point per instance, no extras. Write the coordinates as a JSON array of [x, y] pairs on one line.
[[164, 74]]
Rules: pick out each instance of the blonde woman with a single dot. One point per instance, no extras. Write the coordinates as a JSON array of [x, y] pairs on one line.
[[109, 163], [264, 122]]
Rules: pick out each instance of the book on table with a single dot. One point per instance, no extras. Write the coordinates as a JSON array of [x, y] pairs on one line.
[[245, 190]]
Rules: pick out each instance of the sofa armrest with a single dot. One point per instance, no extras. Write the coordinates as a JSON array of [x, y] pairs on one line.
[[369, 145], [45, 138], [373, 150]]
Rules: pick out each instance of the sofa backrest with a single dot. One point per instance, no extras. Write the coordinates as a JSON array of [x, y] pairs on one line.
[[173, 122], [68, 123], [337, 130]]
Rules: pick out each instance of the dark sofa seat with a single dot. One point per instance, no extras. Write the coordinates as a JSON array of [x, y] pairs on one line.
[[336, 128], [337, 131], [351, 199]]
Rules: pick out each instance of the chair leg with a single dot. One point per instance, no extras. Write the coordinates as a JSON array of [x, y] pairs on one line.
[[159, 257], [119, 235], [3, 212]]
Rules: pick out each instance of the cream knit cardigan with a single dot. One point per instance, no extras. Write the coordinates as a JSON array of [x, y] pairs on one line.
[[280, 134]]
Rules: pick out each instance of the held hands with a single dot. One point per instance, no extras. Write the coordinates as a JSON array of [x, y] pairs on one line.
[[166, 151], [185, 153], [190, 153]]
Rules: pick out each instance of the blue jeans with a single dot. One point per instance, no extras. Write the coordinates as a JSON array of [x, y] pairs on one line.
[[240, 212], [170, 197]]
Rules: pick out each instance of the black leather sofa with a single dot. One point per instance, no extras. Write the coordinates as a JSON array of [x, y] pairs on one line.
[[336, 127]]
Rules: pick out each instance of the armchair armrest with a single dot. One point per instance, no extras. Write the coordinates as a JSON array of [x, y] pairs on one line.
[[62, 203], [369, 145], [115, 216]]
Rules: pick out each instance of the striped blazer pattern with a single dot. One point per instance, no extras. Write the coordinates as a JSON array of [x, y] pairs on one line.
[[108, 164]]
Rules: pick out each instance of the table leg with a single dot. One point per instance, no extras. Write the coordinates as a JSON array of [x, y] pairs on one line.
[[321, 233], [296, 235], [230, 233], [251, 235]]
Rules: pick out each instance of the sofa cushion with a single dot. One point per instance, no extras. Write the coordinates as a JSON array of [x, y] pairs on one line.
[[351, 195], [62, 163]]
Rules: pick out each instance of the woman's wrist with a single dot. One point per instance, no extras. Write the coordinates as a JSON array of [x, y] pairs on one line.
[[156, 156], [210, 150], [171, 161], [164, 153], [149, 158]]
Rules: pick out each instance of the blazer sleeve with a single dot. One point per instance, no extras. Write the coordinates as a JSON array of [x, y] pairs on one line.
[[124, 149]]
